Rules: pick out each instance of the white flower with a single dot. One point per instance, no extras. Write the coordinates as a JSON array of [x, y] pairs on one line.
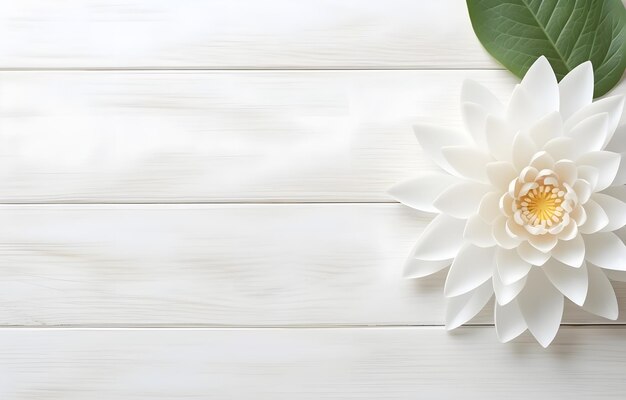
[[527, 203]]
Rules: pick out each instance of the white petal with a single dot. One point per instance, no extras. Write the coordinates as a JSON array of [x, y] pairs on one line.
[[500, 174], [579, 215], [567, 171], [521, 109], [558, 228], [468, 162], [589, 174], [501, 236], [596, 218], [541, 82], [420, 192], [590, 134], [583, 191], [523, 150], [509, 321], [461, 309], [475, 118], [615, 210], [433, 138], [474, 92], [542, 160], [576, 89], [441, 240], [607, 164], [511, 267], [542, 307], [478, 232], [499, 138], [569, 232], [531, 255], [506, 293], [470, 269], [461, 199], [547, 128], [613, 106], [489, 208], [515, 230], [618, 142], [506, 206], [601, 298], [525, 109], [414, 268], [572, 282], [606, 250], [570, 252], [529, 174], [620, 177], [560, 148], [544, 243]]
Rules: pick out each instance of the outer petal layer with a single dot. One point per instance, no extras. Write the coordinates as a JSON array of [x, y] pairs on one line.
[[572, 282], [509, 321], [613, 106], [470, 269], [606, 250], [462, 199], [433, 138], [511, 267], [576, 89], [601, 298], [468, 162], [414, 268], [462, 308], [615, 210], [607, 164], [420, 192], [441, 240], [474, 92], [542, 307]]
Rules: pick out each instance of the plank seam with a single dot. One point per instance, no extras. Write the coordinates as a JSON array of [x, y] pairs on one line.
[[165, 203], [235, 69], [270, 327]]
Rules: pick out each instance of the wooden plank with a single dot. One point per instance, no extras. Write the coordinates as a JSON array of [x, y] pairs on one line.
[[239, 34], [216, 265], [363, 363], [286, 136]]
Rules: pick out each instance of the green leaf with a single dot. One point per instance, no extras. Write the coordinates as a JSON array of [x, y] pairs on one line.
[[567, 32]]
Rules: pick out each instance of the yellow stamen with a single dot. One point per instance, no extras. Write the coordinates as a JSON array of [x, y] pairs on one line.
[[541, 206]]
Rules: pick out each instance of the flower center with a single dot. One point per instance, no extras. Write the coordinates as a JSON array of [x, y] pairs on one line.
[[543, 205]]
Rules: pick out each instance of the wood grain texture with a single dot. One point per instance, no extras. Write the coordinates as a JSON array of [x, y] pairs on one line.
[[287, 136], [274, 364], [239, 34], [243, 136], [216, 265]]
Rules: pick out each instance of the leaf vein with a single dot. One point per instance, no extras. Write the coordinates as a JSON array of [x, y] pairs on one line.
[[563, 60]]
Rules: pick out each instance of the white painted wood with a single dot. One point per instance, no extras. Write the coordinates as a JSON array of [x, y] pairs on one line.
[[242, 265], [245, 137], [238, 34], [274, 364], [285, 136]]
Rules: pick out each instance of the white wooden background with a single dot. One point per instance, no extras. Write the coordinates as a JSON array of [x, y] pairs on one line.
[[192, 206]]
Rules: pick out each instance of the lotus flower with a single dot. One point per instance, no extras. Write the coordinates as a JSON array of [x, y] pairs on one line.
[[527, 204]]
